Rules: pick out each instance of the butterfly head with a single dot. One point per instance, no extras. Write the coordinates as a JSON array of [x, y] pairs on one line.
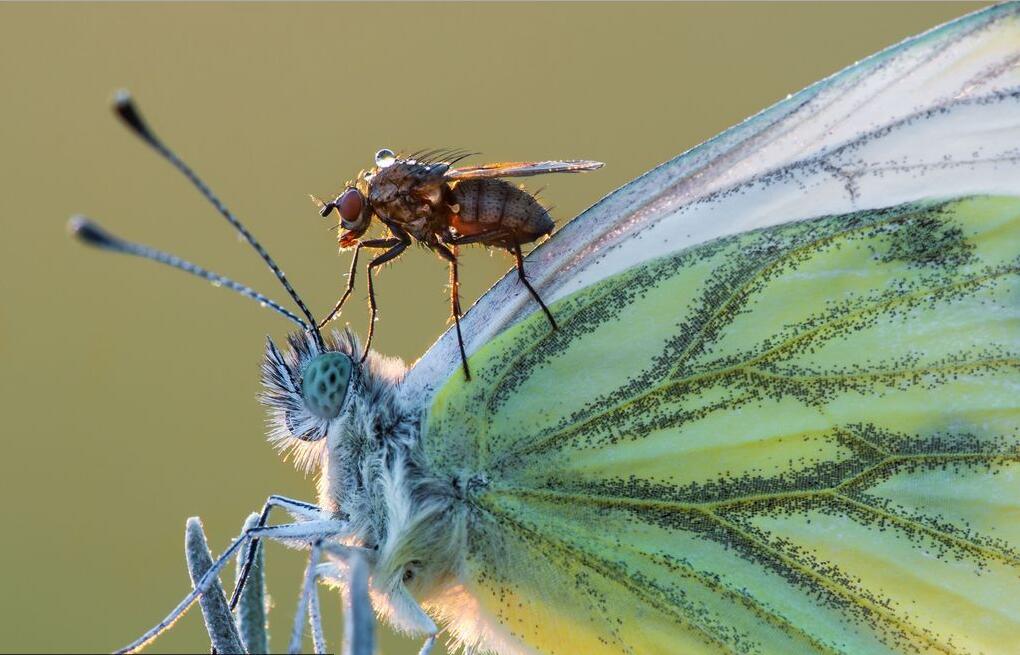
[[337, 412], [309, 388], [327, 406]]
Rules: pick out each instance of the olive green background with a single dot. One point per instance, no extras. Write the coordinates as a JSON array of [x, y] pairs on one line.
[[128, 390]]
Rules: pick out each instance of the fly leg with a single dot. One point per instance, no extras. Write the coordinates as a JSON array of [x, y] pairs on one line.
[[369, 243], [402, 241], [451, 256], [483, 237], [516, 249]]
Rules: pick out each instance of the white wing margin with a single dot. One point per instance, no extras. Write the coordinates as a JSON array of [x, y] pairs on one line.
[[936, 116]]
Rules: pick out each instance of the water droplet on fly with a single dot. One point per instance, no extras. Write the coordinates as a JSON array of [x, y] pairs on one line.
[[384, 158]]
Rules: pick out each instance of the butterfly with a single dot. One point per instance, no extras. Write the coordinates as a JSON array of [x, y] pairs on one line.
[[780, 413]]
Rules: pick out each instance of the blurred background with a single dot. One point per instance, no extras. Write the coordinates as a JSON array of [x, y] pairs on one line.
[[128, 390]]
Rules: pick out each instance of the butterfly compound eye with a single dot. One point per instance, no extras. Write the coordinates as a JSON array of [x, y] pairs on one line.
[[324, 384], [350, 204]]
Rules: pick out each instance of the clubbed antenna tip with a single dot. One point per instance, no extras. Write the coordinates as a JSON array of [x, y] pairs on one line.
[[86, 231], [126, 109]]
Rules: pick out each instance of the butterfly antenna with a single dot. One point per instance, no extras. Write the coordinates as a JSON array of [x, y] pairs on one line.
[[128, 112], [91, 234]]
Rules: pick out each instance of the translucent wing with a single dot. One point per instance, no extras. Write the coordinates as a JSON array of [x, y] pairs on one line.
[[522, 169], [936, 115], [800, 439]]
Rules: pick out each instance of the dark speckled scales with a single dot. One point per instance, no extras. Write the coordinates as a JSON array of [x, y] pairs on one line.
[[811, 445]]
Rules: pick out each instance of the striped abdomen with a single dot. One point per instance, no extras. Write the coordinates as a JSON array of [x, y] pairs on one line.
[[495, 206]]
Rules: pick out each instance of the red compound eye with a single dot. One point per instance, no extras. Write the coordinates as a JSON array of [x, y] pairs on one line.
[[350, 205]]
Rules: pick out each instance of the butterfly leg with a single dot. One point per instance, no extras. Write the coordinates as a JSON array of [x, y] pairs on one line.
[[297, 508], [368, 243], [359, 620], [426, 648], [308, 603], [251, 612], [305, 530], [402, 241], [315, 620], [451, 256], [348, 567], [516, 249], [247, 561]]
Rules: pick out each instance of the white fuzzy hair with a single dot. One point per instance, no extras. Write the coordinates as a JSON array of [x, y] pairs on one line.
[[373, 475]]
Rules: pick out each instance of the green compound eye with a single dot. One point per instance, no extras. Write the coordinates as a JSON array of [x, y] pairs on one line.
[[324, 384]]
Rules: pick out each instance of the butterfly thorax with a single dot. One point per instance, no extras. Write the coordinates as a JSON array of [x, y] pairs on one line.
[[378, 477], [374, 474]]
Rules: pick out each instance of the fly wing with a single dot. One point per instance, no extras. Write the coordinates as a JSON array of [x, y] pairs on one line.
[[522, 169], [937, 115]]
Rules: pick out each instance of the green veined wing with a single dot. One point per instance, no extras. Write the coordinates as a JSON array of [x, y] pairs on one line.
[[804, 438], [781, 414]]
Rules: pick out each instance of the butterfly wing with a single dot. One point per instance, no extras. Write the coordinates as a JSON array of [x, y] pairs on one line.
[[781, 412], [938, 113], [800, 439]]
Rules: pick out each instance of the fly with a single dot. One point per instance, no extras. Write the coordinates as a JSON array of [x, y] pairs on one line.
[[425, 199]]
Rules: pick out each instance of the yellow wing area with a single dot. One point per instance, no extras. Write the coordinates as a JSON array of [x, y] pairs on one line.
[[803, 439]]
